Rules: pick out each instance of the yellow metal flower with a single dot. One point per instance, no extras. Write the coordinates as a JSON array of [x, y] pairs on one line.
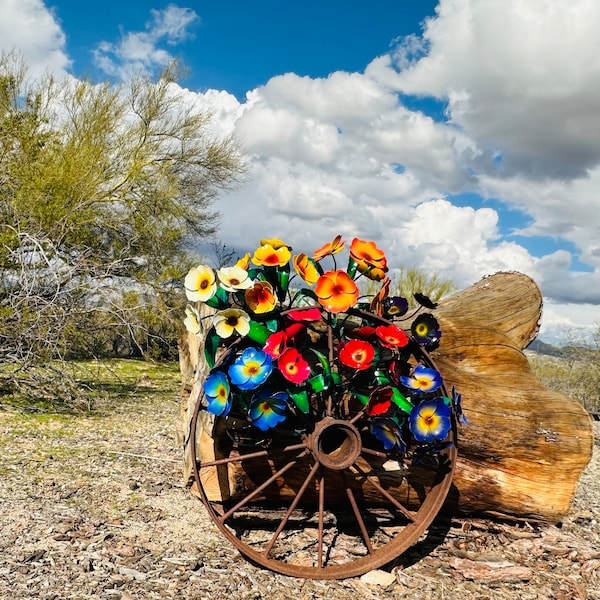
[[244, 262], [191, 320], [269, 256], [234, 278], [275, 242], [231, 320], [305, 268], [200, 284]]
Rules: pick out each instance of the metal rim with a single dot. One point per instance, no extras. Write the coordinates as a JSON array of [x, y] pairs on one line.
[[335, 460]]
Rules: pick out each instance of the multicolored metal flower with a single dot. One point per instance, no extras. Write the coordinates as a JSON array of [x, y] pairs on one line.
[[251, 369], [430, 421], [218, 393], [267, 409]]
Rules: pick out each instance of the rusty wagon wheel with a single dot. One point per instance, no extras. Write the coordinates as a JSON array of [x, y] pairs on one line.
[[325, 501]]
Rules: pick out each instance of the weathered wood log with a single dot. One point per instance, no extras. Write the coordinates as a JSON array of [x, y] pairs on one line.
[[524, 447]]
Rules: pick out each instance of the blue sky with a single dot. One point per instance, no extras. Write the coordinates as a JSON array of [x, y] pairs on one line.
[[238, 45], [463, 136]]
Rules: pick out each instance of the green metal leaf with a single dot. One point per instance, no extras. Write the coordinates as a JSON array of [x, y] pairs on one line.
[[258, 332], [352, 268], [364, 400], [400, 401], [283, 281], [382, 377], [254, 273], [272, 325], [219, 299], [318, 383], [300, 400], [211, 345], [324, 362]]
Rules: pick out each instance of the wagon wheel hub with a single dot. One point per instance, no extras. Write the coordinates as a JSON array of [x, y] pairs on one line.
[[335, 444]]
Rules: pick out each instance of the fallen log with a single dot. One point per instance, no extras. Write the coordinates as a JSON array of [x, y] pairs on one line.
[[524, 447]]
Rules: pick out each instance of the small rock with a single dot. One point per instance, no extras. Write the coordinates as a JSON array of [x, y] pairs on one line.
[[378, 577], [133, 573]]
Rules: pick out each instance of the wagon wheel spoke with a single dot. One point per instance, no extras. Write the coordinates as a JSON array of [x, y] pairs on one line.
[[409, 514], [291, 508], [359, 520], [320, 526], [259, 489], [249, 456]]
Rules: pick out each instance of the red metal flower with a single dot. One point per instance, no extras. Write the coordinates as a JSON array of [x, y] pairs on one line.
[[293, 367], [391, 336], [357, 354]]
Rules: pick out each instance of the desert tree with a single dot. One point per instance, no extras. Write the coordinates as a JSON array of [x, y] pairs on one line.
[[104, 192]]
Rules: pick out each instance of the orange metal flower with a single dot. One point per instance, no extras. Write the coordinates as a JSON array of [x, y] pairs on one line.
[[367, 255], [269, 256], [377, 302], [305, 268], [336, 291], [260, 298], [244, 262], [331, 248]]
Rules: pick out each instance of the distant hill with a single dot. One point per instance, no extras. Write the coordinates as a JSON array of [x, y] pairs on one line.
[[543, 348]]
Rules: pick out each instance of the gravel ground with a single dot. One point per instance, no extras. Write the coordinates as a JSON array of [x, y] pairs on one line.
[[93, 507]]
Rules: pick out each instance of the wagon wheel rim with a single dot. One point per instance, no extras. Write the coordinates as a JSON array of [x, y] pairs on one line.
[[335, 452]]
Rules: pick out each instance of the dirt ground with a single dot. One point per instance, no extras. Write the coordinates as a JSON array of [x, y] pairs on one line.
[[93, 507]]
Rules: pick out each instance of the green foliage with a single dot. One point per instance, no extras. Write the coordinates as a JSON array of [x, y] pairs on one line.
[[575, 372], [100, 386], [410, 280], [101, 190]]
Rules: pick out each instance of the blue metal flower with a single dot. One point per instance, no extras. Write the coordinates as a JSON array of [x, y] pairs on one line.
[[457, 406], [423, 380], [251, 369], [426, 330], [430, 421], [388, 432], [395, 306], [216, 388], [267, 409]]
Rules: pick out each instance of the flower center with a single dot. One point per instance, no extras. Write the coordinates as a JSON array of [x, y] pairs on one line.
[[429, 420]]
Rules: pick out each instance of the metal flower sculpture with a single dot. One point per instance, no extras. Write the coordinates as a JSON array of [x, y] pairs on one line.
[[292, 340]]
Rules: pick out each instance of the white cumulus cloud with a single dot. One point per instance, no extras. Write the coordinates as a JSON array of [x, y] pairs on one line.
[[140, 52], [520, 80], [31, 29]]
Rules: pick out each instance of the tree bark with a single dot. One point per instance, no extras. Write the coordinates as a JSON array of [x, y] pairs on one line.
[[524, 447]]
